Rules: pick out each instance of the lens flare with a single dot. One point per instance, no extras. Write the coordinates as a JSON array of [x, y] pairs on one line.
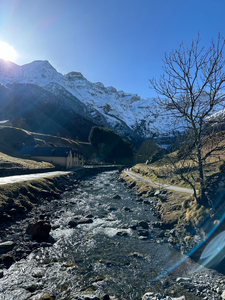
[[214, 251], [7, 52]]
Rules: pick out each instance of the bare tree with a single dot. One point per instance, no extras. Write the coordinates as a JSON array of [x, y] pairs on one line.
[[190, 92]]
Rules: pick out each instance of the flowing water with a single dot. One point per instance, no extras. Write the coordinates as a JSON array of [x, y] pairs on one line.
[[103, 257]]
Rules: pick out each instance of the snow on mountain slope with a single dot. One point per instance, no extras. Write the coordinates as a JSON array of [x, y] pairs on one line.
[[117, 107]]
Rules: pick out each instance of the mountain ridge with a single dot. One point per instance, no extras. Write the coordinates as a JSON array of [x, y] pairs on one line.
[[126, 113]]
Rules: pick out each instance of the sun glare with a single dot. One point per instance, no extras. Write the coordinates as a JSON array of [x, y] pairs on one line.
[[7, 52]]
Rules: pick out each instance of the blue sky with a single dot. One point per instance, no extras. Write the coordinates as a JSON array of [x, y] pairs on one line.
[[120, 43]]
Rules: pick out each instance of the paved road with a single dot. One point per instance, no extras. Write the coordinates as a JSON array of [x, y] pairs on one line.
[[18, 178], [157, 184]]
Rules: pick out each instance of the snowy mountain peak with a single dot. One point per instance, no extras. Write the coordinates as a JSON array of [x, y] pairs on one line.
[[75, 76], [117, 107]]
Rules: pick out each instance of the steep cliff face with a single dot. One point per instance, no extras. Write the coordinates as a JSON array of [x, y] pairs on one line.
[[125, 113]]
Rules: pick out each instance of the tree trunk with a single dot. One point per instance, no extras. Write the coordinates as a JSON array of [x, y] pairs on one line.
[[201, 175]]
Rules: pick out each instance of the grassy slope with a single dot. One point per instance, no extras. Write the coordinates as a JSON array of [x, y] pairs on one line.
[[161, 171], [178, 206], [8, 162]]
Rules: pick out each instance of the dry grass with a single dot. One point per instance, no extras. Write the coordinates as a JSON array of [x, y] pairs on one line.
[[10, 194], [8, 162], [177, 207], [164, 172]]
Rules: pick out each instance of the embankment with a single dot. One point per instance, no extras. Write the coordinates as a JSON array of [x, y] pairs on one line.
[[16, 199]]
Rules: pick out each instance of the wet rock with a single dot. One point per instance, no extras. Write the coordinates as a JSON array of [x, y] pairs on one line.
[[30, 288], [112, 209], [183, 279], [161, 234], [39, 230], [147, 202], [85, 221], [7, 258], [143, 224], [90, 216], [143, 233], [6, 246], [117, 197], [1, 273], [127, 209], [122, 233], [73, 223], [133, 227]]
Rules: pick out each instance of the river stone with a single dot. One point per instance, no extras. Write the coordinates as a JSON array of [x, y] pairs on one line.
[[6, 246], [143, 232], [112, 209], [157, 193], [117, 197], [223, 295], [143, 224], [122, 233], [6, 258], [161, 234], [73, 223], [183, 279], [39, 230], [85, 221]]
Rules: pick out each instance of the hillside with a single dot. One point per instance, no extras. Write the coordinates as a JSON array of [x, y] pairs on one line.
[[13, 139]]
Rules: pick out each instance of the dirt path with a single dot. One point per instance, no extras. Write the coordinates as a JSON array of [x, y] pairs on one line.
[[157, 184]]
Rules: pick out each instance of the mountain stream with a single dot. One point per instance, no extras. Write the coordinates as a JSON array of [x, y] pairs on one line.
[[115, 253]]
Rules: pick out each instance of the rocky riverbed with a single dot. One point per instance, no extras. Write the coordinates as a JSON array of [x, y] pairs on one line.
[[96, 239]]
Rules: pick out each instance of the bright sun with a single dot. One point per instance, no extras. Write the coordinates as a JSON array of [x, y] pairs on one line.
[[7, 52]]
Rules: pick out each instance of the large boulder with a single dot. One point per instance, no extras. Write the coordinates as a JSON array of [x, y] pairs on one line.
[[39, 229]]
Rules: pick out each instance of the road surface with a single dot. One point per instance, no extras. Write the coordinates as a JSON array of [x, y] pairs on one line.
[[18, 178], [157, 184]]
